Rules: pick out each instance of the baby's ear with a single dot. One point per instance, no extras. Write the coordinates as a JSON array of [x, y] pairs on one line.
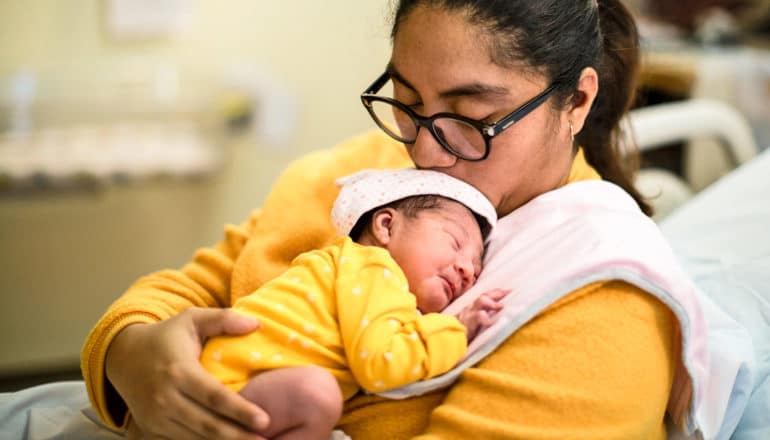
[[382, 225]]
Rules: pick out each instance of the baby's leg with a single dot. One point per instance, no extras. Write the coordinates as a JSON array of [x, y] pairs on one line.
[[303, 402]]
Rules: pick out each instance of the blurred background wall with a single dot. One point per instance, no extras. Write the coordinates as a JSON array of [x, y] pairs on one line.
[[68, 249]]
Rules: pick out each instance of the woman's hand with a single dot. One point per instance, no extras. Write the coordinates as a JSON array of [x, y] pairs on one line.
[[155, 369], [482, 312]]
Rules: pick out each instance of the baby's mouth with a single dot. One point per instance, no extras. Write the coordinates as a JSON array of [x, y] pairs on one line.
[[449, 289]]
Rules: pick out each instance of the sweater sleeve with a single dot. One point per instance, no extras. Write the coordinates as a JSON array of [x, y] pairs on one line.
[[597, 364], [387, 341]]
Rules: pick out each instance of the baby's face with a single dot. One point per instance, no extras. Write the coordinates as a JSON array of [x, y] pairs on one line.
[[440, 252]]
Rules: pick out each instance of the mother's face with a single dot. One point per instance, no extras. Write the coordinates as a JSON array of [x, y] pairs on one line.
[[441, 63]]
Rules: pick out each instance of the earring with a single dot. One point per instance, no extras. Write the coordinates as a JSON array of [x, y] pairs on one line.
[[571, 131]]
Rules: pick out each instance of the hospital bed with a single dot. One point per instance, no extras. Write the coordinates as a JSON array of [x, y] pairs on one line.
[[698, 123], [722, 236]]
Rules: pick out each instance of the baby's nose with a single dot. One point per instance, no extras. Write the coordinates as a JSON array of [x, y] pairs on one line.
[[467, 273]]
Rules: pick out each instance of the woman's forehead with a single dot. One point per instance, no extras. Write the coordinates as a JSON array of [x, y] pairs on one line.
[[436, 36], [441, 51]]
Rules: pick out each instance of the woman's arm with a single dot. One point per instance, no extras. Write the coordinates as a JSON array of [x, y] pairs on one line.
[[597, 364]]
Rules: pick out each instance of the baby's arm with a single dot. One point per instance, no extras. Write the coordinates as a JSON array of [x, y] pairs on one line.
[[482, 312], [388, 343]]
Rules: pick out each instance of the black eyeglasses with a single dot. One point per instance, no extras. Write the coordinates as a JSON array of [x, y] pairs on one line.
[[464, 137]]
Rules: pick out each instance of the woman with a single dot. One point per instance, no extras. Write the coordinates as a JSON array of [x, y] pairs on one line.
[[540, 86]]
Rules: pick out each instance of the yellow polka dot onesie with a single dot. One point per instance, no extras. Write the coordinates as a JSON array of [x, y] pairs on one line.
[[346, 308]]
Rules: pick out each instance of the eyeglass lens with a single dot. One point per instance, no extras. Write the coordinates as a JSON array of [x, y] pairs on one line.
[[458, 136]]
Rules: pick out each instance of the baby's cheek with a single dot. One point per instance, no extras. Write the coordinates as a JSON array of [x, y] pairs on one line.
[[432, 297]]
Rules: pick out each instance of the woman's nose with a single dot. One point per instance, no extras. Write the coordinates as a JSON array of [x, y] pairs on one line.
[[427, 152]]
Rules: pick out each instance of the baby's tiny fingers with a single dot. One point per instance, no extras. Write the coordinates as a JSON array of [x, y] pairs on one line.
[[488, 303], [493, 319], [497, 294]]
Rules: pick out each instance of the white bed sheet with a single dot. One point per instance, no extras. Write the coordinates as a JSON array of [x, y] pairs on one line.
[[54, 411], [722, 237]]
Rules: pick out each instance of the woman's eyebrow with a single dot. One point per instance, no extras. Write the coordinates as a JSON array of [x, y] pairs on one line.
[[393, 72], [473, 89]]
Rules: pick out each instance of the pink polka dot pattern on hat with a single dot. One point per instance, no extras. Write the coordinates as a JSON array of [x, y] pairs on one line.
[[369, 189]]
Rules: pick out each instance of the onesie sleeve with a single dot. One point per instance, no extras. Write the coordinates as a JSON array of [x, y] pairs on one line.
[[387, 341]]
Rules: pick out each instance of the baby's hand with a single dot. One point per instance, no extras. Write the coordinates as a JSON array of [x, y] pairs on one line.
[[482, 313]]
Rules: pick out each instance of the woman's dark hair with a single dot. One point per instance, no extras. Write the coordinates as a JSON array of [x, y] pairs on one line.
[[558, 39]]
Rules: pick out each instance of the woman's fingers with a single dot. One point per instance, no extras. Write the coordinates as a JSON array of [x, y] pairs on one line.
[[176, 415], [213, 405], [216, 322], [207, 392], [198, 421], [173, 431], [181, 430], [197, 384]]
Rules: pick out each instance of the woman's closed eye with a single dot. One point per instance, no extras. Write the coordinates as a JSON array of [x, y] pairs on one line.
[[416, 107], [489, 120]]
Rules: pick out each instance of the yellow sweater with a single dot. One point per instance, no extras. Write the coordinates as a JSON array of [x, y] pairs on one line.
[[346, 308], [596, 364]]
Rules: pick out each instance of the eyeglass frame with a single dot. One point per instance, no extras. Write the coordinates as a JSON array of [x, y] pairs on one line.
[[487, 131]]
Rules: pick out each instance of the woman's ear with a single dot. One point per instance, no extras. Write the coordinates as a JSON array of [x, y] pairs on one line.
[[382, 225], [587, 88]]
